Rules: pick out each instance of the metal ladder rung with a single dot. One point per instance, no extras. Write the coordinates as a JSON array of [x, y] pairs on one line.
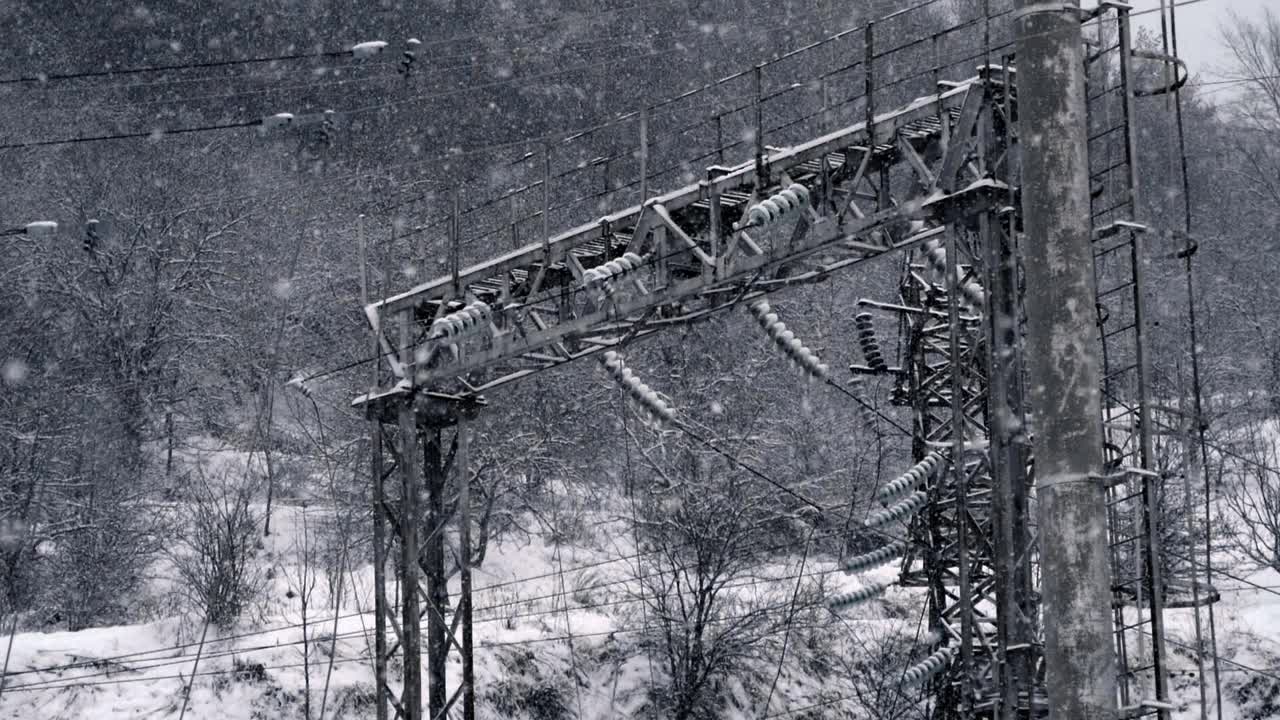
[[1116, 289], [1111, 209], [1098, 254], [1126, 498], [1117, 331], [1115, 166], [1121, 371], [1104, 133]]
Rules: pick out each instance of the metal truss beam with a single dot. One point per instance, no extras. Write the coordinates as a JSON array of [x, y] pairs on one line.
[[701, 252]]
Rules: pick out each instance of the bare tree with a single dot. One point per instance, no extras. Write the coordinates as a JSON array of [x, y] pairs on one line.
[[704, 535], [1254, 112], [874, 660], [1253, 497], [302, 580], [216, 548]]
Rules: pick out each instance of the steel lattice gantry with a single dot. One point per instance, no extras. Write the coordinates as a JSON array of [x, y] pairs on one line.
[[960, 373], [915, 176], [934, 180]]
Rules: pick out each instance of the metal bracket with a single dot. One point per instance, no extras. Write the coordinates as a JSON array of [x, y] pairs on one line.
[[1046, 7]]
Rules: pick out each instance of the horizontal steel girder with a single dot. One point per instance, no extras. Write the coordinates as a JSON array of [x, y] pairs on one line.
[[701, 252]]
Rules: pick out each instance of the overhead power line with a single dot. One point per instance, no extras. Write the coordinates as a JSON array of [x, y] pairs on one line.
[[294, 56], [159, 132]]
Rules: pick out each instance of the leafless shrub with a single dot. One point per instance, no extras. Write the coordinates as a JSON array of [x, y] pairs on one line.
[[1254, 498], [216, 547]]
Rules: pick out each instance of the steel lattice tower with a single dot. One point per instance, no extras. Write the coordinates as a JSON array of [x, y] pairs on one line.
[[935, 180]]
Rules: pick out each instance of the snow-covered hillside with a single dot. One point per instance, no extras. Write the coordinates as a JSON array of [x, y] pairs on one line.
[[559, 634]]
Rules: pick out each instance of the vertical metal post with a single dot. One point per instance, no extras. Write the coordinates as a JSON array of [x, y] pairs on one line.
[[825, 89], [717, 232], [1204, 466], [515, 224], [546, 201], [761, 181], [1063, 362], [959, 476], [364, 285], [379, 571], [719, 138], [644, 155], [869, 89], [1190, 466], [455, 243], [937, 71], [1198, 418], [1006, 412], [1154, 581], [379, 508], [431, 556], [868, 80], [411, 697], [986, 36], [464, 601]]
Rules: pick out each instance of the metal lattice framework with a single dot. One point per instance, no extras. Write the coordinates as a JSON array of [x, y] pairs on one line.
[[936, 180]]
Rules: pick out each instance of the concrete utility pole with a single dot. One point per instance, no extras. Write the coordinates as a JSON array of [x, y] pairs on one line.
[[1063, 362]]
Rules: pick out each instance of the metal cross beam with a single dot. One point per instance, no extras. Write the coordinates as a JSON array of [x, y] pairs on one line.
[[696, 250]]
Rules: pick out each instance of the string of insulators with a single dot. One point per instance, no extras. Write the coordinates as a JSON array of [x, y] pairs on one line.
[[601, 276], [778, 205], [867, 339], [936, 255], [910, 479], [795, 350], [858, 563], [903, 509], [872, 589], [645, 396], [473, 315], [929, 666]]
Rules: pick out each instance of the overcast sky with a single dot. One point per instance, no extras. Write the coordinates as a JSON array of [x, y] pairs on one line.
[[1199, 29]]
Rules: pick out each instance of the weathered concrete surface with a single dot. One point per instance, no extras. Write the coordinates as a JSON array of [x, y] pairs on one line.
[[1062, 357]]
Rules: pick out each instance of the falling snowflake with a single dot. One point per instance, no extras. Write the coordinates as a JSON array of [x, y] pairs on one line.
[[15, 371]]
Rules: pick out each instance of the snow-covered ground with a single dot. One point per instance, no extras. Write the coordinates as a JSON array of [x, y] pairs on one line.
[[545, 615], [556, 636]]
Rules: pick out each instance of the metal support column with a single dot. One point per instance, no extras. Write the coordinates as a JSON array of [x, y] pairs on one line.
[[411, 643], [464, 601]]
